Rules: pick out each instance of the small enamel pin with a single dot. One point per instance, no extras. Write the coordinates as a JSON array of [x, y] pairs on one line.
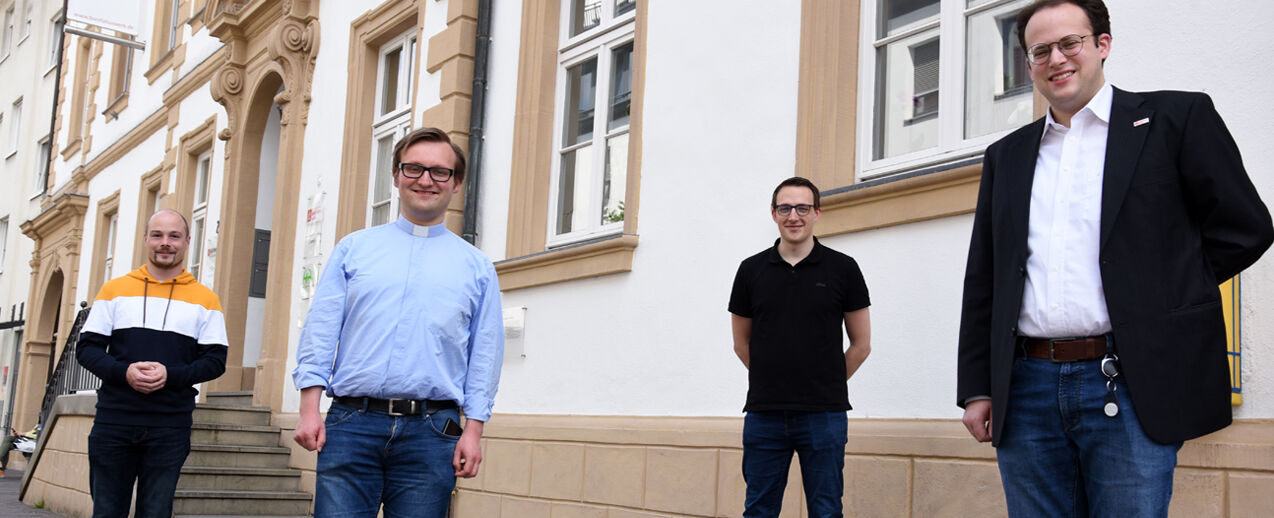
[[1142, 121]]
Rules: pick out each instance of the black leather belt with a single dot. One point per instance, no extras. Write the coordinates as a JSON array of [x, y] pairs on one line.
[[397, 407]]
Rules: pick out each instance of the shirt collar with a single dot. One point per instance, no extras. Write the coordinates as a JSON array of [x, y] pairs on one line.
[[1099, 105], [420, 230], [813, 257]]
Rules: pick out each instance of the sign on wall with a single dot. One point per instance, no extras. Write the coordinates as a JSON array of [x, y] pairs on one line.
[[116, 15]]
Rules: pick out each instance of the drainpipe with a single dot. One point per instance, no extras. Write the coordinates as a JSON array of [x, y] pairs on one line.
[[477, 119], [53, 115]]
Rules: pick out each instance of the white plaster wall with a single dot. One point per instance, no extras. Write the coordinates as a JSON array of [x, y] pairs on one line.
[[497, 157]]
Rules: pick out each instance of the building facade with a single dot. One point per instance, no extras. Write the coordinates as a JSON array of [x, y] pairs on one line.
[[627, 152]]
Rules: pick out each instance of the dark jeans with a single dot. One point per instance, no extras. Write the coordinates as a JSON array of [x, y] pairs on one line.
[[819, 438], [1060, 455], [119, 455], [372, 458]]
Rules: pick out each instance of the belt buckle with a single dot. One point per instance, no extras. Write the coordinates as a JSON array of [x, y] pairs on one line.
[[389, 407], [1052, 343]]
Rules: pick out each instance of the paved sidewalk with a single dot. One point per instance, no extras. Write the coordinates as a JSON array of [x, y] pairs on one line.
[[10, 506]]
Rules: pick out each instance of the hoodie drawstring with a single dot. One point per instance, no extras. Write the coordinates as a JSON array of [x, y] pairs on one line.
[[145, 286], [172, 287]]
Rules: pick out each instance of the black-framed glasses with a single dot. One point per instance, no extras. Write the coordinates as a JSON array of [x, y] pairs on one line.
[[801, 210], [414, 171], [1070, 46]]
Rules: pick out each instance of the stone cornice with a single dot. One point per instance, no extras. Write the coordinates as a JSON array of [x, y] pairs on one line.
[[64, 210]]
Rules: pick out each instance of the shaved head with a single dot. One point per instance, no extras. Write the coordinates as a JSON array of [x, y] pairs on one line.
[[169, 211]]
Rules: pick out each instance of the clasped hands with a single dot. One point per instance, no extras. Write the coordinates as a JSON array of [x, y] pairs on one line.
[[146, 377]]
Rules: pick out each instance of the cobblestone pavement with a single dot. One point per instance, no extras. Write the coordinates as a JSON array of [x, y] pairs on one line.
[[10, 506]]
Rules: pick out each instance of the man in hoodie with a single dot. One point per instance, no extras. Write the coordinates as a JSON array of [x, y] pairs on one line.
[[151, 335]]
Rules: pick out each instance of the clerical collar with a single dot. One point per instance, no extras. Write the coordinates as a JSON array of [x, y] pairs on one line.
[[421, 230]]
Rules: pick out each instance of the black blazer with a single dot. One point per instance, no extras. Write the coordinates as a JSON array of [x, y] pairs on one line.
[[1178, 216]]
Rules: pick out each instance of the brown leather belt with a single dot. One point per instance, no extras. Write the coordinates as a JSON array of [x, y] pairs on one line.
[[1066, 349], [396, 407]]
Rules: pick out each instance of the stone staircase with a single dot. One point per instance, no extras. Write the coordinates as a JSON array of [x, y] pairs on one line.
[[236, 467]]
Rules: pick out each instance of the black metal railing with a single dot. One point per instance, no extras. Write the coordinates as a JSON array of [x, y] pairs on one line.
[[69, 376]]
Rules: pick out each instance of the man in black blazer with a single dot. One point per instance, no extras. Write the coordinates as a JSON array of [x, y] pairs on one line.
[[1092, 341]]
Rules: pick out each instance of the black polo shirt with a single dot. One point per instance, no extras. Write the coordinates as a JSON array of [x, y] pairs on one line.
[[797, 361]]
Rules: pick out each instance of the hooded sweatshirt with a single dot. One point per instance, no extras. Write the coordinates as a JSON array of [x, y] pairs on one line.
[[136, 318]]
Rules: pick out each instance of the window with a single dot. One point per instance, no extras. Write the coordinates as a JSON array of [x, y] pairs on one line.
[[121, 73], [28, 10], [174, 24], [4, 240], [392, 121], [199, 215], [55, 41], [595, 64], [931, 102], [9, 31], [15, 126], [79, 96], [108, 261], [42, 170]]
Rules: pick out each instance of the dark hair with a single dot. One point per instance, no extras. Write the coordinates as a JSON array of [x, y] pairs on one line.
[[794, 181], [429, 135], [1098, 16]]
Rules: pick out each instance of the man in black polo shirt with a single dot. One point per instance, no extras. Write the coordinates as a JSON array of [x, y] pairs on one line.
[[788, 305]]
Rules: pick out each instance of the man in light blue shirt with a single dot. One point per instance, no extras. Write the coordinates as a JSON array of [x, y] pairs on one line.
[[404, 330]]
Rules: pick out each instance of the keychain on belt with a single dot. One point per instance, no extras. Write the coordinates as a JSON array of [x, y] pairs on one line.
[[1110, 368]]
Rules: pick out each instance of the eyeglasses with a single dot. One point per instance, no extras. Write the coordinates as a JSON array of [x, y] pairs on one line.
[[801, 210], [414, 171], [1070, 46]]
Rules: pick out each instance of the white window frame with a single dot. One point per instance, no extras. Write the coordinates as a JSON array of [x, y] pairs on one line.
[[10, 32], [174, 24], [597, 43], [950, 28], [4, 241], [15, 127], [108, 259], [55, 41], [394, 123], [28, 10], [199, 214], [42, 169]]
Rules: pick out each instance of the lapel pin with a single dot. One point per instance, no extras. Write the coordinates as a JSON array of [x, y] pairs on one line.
[[1142, 121]]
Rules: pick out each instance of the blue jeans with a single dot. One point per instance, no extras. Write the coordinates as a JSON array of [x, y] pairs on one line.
[[119, 455], [1060, 455], [769, 438], [372, 458]]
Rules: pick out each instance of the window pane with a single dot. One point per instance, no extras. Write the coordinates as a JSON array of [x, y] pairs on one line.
[[621, 86], [196, 246], [573, 189], [585, 14], [896, 15], [389, 81], [907, 96], [581, 86], [201, 182], [997, 86], [615, 180], [624, 6], [384, 181]]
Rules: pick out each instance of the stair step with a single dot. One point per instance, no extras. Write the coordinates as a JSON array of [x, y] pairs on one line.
[[236, 479], [255, 503], [231, 397], [216, 455], [234, 434], [231, 414]]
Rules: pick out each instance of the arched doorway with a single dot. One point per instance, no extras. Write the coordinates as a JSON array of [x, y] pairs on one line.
[[39, 353]]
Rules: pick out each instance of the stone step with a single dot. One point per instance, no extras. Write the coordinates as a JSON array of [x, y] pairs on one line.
[[238, 456], [252, 503], [231, 397], [238, 479], [229, 414], [234, 434]]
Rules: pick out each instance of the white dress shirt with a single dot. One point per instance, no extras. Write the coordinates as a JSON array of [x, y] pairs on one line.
[[1063, 296]]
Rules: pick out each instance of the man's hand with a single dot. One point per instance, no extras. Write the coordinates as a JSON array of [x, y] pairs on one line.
[[469, 450], [977, 418], [146, 377], [310, 432]]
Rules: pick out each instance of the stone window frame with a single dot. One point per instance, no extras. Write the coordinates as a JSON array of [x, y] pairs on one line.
[[530, 262], [194, 146], [166, 46], [76, 118], [121, 77], [152, 195], [107, 207]]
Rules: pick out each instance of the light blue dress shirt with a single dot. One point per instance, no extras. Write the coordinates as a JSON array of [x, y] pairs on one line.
[[405, 311]]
